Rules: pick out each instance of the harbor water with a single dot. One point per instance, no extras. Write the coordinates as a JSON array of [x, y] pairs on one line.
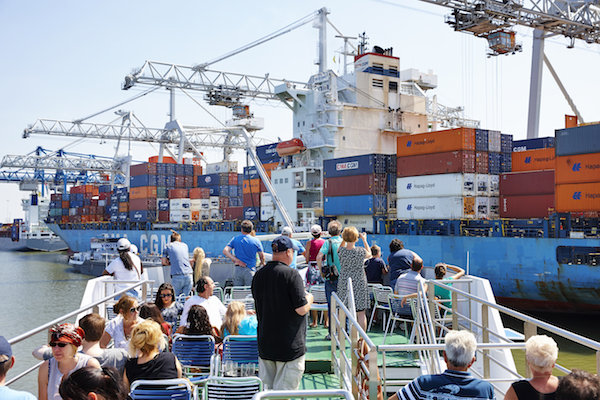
[[39, 287]]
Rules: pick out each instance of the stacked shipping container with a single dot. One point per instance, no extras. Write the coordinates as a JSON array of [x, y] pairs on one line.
[[257, 203]]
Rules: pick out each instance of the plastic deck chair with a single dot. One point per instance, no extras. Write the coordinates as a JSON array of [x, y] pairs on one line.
[[239, 349], [380, 294], [240, 292], [194, 352], [218, 291], [320, 300], [221, 388], [162, 389], [398, 313]]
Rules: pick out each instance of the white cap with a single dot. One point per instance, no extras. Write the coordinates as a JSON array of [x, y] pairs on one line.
[[123, 244], [133, 248], [315, 229], [286, 231]]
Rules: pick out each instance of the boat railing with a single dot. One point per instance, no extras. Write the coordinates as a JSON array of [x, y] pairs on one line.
[[304, 394], [87, 305]]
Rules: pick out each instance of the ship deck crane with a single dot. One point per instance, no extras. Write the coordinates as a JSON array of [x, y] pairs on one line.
[[491, 18]]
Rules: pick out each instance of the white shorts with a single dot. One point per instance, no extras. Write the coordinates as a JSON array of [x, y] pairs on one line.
[[281, 375]]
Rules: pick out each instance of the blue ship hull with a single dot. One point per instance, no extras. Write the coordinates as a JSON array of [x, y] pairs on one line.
[[524, 272]]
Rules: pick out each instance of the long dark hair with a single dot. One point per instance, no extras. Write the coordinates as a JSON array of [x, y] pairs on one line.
[[152, 311], [198, 322], [165, 286], [106, 382]]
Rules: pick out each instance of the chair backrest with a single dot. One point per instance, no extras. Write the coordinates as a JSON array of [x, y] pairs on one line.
[[381, 294], [240, 292], [218, 291], [221, 388], [181, 298], [395, 301], [194, 351], [240, 349], [161, 389], [318, 292]]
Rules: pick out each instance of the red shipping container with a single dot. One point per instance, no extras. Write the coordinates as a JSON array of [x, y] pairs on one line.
[[437, 163], [232, 179], [527, 183], [534, 206], [100, 210], [166, 160], [223, 202], [103, 196], [93, 210], [142, 204], [354, 185], [481, 162], [178, 193], [64, 219], [197, 171], [233, 213], [65, 204], [163, 216], [251, 200], [56, 197], [94, 202], [189, 181], [199, 193], [143, 169]]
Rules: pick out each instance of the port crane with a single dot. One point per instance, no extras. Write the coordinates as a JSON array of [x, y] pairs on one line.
[[494, 19]]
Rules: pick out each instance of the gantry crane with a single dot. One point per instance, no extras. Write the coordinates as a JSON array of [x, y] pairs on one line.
[[494, 19]]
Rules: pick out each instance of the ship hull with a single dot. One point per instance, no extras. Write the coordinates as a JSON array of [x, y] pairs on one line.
[[46, 244], [524, 272]]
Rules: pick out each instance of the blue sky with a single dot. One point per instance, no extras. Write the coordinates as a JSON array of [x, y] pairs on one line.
[[67, 59]]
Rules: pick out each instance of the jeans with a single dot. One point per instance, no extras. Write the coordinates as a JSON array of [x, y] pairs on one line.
[[242, 276], [182, 284], [330, 287]]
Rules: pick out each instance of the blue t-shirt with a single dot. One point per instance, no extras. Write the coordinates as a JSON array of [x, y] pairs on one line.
[[7, 393], [179, 258], [374, 268], [448, 386], [245, 248], [248, 327], [298, 248], [336, 241], [399, 262]]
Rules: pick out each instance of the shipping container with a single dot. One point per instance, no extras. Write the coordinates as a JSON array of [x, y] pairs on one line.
[[494, 141], [142, 215], [578, 168], [494, 207], [533, 144], [251, 213], [482, 184], [204, 204], [578, 197], [436, 142], [162, 204], [533, 160], [199, 193], [527, 206], [506, 143], [494, 186], [252, 200], [363, 223], [215, 214], [223, 202], [355, 185], [236, 201], [493, 163], [579, 140], [437, 163], [481, 139], [178, 193], [163, 216], [213, 203], [162, 192], [267, 153], [482, 207], [436, 208], [355, 205], [143, 192], [253, 186], [180, 216], [195, 205], [505, 162], [208, 180], [267, 212], [233, 213], [195, 214], [481, 162], [142, 204], [527, 183], [123, 207], [142, 180], [223, 166], [179, 204], [436, 185], [355, 165]]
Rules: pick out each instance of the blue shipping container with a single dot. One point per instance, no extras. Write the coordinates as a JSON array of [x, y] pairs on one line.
[[123, 216], [481, 139], [104, 188], [188, 169], [163, 205], [505, 162], [250, 173], [494, 163], [268, 153], [506, 143], [533, 144], [120, 190], [65, 197], [580, 140], [214, 190], [251, 213], [235, 202], [355, 205], [143, 180], [391, 183], [391, 165], [208, 180], [124, 198], [355, 165], [142, 215]]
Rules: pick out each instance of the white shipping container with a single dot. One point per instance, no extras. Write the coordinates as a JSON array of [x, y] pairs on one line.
[[494, 207], [364, 223], [179, 204], [180, 216], [204, 204], [494, 185], [223, 166], [436, 207], [266, 199], [267, 212], [494, 141], [213, 203], [442, 185], [482, 207], [196, 204], [215, 214], [204, 215], [482, 184]]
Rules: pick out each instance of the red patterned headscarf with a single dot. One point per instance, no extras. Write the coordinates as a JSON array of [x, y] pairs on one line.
[[67, 333]]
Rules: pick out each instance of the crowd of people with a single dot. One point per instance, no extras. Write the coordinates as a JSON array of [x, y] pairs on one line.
[[78, 364]]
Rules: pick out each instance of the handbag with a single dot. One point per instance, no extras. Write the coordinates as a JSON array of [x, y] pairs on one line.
[[329, 269]]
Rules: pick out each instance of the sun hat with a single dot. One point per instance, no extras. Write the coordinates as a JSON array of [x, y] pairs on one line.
[[123, 244]]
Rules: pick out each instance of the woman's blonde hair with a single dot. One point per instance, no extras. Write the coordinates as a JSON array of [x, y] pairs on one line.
[[236, 311], [541, 352], [350, 234], [146, 336], [199, 256]]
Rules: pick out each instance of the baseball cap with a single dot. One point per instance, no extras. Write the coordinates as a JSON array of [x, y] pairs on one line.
[[133, 248], [5, 349], [315, 229], [123, 244], [287, 231], [281, 243]]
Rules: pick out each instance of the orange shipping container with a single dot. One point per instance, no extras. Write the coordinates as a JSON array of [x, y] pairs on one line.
[[195, 215], [166, 160], [123, 207], [578, 197], [578, 168], [142, 192], [533, 160], [253, 186], [436, 142]]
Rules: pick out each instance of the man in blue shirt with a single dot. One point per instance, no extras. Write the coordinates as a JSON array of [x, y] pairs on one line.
[[455, 382], [331, 257], [298, 248], [177, 255], [245, 248], [7, 360]]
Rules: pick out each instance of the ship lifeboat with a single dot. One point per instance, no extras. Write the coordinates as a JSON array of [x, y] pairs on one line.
[[289, 147]]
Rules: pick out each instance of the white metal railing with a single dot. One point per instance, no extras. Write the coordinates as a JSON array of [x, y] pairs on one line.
[[303, 394], [83, 309]]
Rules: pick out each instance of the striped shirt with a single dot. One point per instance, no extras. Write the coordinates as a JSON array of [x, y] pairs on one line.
[[407, 283], [447, 386]]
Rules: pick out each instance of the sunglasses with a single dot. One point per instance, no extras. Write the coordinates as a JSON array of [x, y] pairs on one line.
[[134, 309], [59, 344], [166, 295]]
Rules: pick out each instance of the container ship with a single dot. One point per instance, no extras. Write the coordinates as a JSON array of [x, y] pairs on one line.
[[523, 214]]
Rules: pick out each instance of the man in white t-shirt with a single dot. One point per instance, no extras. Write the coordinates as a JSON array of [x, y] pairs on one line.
[[214, 307], [120, 272]]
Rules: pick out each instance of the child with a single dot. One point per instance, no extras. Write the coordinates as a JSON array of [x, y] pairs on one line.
[[375, 267]]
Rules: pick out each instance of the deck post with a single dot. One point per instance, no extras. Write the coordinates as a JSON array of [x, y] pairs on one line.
[[454, 313], [486, 339], [354, 360], [529, 330], [373, 373]]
